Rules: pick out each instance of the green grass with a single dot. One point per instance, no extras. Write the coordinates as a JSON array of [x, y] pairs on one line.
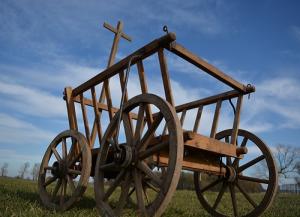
[[20, 198]]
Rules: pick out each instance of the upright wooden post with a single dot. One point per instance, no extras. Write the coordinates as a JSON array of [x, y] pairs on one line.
[[105, 89]]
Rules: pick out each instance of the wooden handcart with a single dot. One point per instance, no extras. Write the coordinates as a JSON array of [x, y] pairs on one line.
[[143, 148]]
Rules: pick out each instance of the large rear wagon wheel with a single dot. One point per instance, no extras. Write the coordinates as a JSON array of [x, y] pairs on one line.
[[64, 171], [131, 181], [233, 195]]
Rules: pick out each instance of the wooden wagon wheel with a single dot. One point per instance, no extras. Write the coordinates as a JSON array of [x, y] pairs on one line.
[[240, 172], [138, 178], [64, 174]]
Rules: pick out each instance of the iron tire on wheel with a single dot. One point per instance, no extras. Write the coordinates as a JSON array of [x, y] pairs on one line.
[[270, 182], [135, 174], [69, 173]]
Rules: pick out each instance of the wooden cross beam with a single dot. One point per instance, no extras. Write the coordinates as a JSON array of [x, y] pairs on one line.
[[118, 34]]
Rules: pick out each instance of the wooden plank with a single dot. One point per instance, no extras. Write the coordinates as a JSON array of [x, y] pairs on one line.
[[197, 120], [140, 54], [208, 100], [193, 164], [236, 121], [212, 145], [216, 119], [97, 117], [85, 121], [144, 88], [202, 143], [165, 76], [210, 69]]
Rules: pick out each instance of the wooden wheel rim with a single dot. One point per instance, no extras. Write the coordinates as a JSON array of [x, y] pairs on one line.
[[171, 178], [273, 177], [46, 196]]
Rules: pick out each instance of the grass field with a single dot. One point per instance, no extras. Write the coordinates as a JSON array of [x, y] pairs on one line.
[[20, 198]]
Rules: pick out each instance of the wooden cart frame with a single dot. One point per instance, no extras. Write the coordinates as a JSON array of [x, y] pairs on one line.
[[149, 159]]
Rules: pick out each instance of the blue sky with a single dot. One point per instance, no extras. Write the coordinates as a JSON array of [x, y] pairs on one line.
[[47, 45]]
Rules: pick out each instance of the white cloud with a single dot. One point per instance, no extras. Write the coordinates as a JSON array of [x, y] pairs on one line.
[[296, 32], [28, 100], [16, 131]]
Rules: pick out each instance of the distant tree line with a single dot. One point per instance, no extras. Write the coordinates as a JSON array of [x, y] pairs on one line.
[[24, 170]]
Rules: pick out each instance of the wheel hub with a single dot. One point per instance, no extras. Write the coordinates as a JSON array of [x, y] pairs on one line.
[[60, 168], [123, 157]]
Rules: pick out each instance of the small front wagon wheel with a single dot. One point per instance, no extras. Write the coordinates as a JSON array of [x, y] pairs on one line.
[[64, 171], [249, 185], [131, 179]]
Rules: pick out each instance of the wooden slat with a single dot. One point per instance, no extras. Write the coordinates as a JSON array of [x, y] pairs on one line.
[[96, 111], [197, 120], [216, 119], [207, 101], [210, 69], [165, 76], [85, 120], [108, 99], [142, 53], [122, 83], [236, 121], [182, 117], [102, 106], [144, 88]]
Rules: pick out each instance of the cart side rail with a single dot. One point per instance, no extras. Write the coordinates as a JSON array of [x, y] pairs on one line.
[[136, 56]]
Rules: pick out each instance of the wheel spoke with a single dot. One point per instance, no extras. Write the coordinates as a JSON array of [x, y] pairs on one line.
[[63, 192], [48, 168], [244, 142], [144, 167], [124, 194], [220, 195], [152, 150], [64, 148], [56, 154], [74, 160], [71, 183], [250, 163], [75, 172], [109, 166], [114, 185], [252, 179], [246, 195], [151, 186], [139, 193], [227, 139], [57, 186], [139, 125], [214, 183], [233, 199], [49, 181], [151, 130]]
